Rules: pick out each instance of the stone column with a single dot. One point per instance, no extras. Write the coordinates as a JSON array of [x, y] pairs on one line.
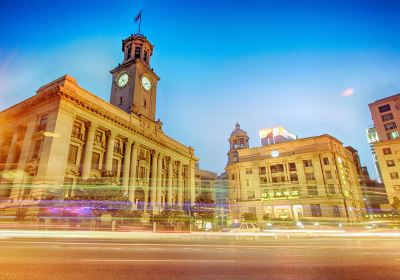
[[169, 181], [153, 186], [126, 167], [159, 181], [12, 150], [1, 145], [133, 173], [110, 151], [146, 197], [191, 170], [25, 151], [180, 185], [87, 160]]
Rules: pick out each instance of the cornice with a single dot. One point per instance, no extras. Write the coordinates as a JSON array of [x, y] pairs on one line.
[[69, 94]]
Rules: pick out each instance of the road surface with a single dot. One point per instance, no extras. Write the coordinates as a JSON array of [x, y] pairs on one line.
[[303, 258]]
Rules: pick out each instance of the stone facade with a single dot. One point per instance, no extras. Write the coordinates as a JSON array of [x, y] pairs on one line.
[[388, 154], [311, 178], [65, 135]]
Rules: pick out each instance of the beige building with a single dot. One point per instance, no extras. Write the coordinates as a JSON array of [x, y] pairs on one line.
[[388, 155], [64, 135], [205, 182], [309, 178], [385, 114]]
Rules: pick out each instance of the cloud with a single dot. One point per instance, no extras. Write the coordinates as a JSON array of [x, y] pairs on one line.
[[348, 92]]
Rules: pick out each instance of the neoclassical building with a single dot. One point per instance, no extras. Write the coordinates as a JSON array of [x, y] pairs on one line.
[[311, 178], [65, 135]]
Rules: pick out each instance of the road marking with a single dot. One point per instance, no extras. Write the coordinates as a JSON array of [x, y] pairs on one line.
[[187, 261], [169, 244]]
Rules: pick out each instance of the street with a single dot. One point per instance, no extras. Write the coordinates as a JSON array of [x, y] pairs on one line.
[[300, 258]]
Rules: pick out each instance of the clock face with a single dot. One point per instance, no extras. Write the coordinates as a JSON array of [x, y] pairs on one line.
[[275, 154], [123, 79], [146, 83]]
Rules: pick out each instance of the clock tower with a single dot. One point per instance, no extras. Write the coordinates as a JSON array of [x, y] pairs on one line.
[[134, 83]]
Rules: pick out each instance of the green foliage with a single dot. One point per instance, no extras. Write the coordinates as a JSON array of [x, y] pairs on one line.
[[204, 198], [171, 217], [249, 217], [204, 208]]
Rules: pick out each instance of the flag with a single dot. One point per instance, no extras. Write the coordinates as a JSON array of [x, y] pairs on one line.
[[138, 17]]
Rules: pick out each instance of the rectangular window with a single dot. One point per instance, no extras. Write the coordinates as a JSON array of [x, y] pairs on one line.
[[263, 180], [312, 190], [331, 189], [137, 52], [307, 163], [326, 161], [310, 176], [387, 117], [316, 210], [72, 154], [142, 172], [328, 174], [292, 166], [278, 179], [129, 53], [263, 170], [384, 108], [390, 163], [95, 161], [277, 168], [393, 135], [249, 171], [390, 126], [294, 177], [387, 151], [98, 136], [394, 175], [336, 211]]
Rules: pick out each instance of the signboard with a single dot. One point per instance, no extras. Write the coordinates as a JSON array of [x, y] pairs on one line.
[[271, 195]]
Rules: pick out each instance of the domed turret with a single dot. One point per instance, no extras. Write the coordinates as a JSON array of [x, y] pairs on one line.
[[238, 140]]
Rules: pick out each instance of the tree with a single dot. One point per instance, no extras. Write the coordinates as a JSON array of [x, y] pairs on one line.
[[103, 195], [204, 208]]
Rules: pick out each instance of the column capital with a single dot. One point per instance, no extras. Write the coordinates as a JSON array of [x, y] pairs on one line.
[[111, 133], [128, 140], [91, 125], [136, 144]]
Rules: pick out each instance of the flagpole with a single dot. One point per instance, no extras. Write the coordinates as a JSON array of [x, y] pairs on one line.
[[140, 20]]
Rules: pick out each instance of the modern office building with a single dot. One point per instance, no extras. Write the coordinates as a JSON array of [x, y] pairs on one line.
[[65, 135], [311, 178], [205, 182], [372, 137]]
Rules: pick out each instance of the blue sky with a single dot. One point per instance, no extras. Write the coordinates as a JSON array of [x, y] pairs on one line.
[[262, 63]]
